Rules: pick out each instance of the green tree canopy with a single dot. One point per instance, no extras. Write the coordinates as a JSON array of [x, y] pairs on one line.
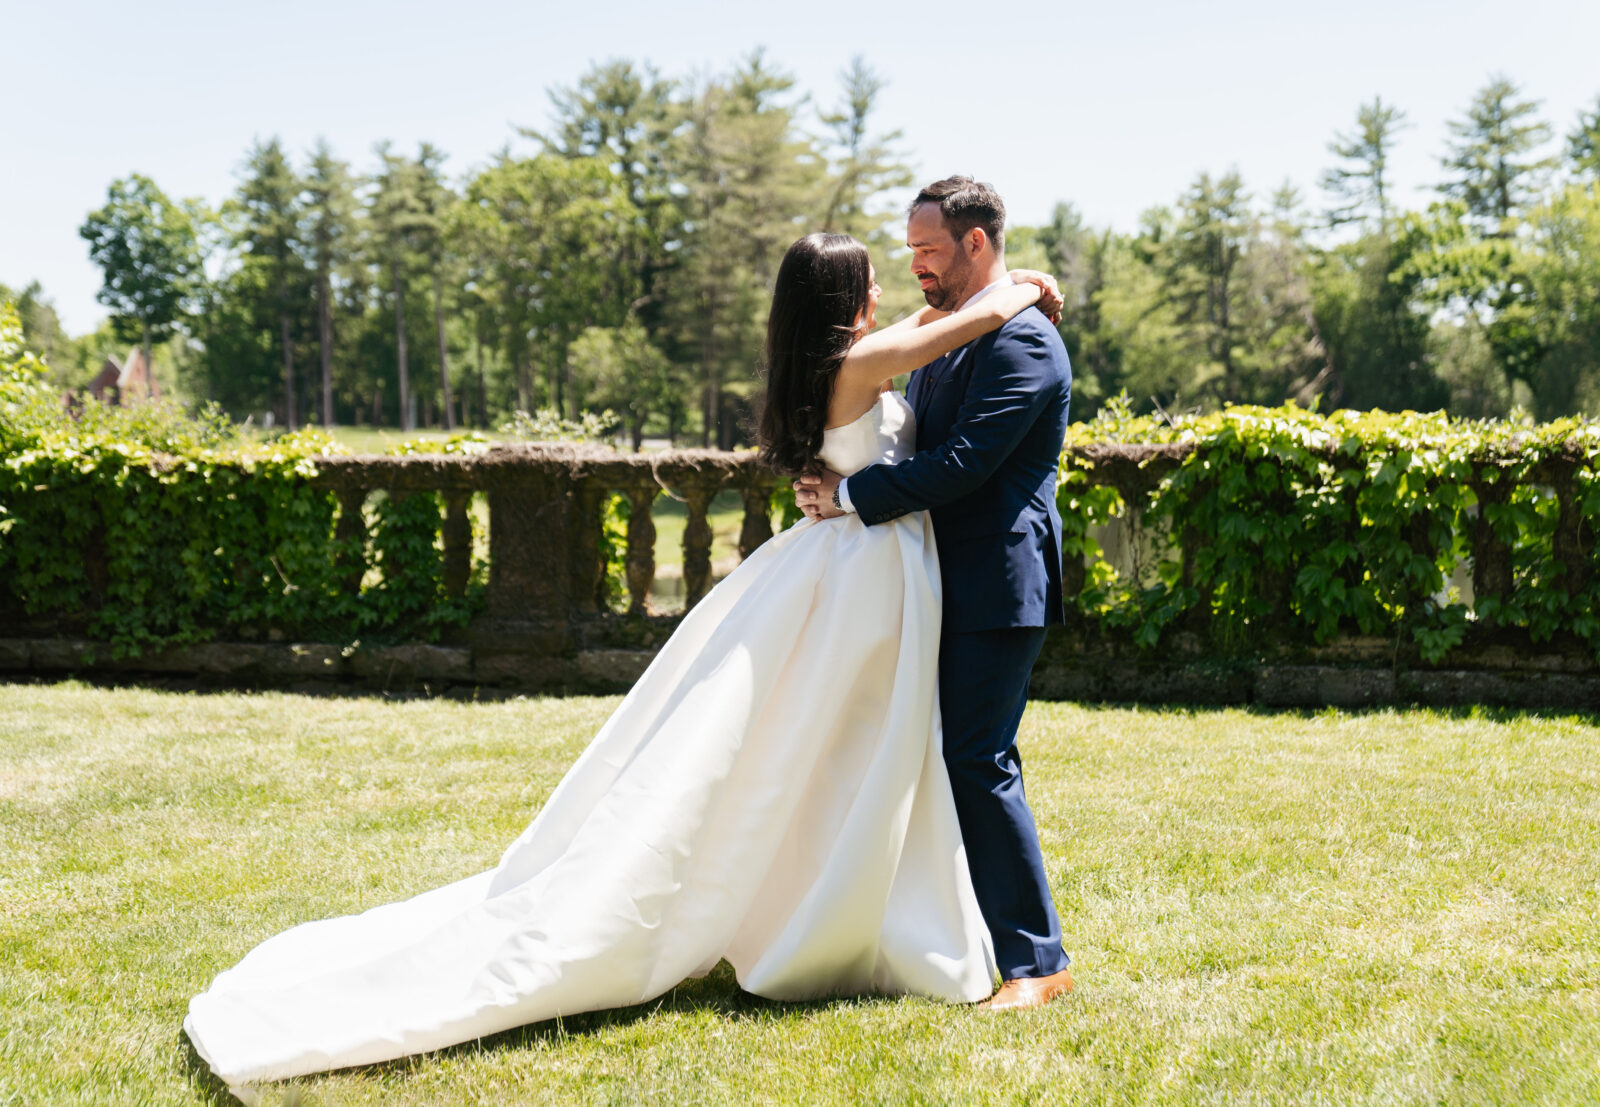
[[620, 369], [146, 247]]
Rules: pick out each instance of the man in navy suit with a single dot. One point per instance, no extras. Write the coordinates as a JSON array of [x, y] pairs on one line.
[[991, 417]]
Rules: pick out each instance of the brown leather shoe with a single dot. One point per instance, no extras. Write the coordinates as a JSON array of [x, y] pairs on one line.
[[1029, 991]]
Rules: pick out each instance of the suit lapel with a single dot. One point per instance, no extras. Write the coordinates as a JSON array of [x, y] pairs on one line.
[[927, 381], [923, 383]]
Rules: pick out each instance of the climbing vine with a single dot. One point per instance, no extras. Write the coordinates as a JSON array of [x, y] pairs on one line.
[[1284, 524]]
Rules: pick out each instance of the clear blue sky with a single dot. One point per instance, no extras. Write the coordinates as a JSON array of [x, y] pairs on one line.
[[1114, 107]]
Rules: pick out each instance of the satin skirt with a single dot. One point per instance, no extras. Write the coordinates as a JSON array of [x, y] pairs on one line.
[[771, 791]]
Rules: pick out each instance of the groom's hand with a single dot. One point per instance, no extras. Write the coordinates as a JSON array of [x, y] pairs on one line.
[[814, 495]]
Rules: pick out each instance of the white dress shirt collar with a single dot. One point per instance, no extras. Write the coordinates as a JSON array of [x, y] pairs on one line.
[[984, 291]]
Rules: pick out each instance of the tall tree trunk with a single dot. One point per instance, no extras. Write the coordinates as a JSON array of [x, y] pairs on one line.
[[291, 413], [444, 353], [709, 398], [726, 423], [524, 382], [708, 393], [566, 381], [325, 340], [400, 345], [149, 368], [483, 391]]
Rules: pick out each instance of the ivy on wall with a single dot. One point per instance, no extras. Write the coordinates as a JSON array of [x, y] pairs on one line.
[[1289, 525], [146, 526], [141, 549]]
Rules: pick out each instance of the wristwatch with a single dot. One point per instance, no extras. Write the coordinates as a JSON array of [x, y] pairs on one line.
[[838, 504]]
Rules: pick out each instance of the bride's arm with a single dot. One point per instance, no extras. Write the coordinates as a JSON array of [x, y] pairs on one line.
[[902, 348], [919, 318]]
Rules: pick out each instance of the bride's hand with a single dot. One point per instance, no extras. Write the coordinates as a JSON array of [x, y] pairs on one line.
[[1050, 301]]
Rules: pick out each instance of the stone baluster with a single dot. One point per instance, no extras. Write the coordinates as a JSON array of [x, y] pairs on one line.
[[1074, 574], [757, 526], [457, 535], [697, 544], [641, 546], [1198, 618], [1491, 557], [351, 536], [1568, 540], [588, 566], [96, 565]]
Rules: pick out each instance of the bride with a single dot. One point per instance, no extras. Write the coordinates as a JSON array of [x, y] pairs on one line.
[[724, 810]]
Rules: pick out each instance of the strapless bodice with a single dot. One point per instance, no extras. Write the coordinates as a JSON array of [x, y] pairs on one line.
[[885, 432]]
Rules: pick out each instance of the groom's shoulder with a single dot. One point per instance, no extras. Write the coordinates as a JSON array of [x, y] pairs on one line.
[[1030, 327], [1029, 321]]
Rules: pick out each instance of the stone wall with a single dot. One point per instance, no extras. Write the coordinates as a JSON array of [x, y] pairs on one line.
[[547, 628]]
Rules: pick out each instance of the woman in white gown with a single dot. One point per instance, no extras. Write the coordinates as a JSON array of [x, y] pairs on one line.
[[726, 810]]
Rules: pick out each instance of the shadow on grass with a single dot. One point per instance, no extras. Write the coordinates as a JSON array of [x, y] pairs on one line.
[[1494, 713], [407, 689], [473, 693], [717, 992], [211, 1089]]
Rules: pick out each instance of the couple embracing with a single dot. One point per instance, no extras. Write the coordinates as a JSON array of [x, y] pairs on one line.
[[817, 777]]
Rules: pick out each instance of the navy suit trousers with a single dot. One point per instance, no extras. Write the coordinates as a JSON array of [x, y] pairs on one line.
[[983, 688]]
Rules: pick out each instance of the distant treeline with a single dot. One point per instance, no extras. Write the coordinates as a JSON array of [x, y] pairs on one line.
[[626, 262]]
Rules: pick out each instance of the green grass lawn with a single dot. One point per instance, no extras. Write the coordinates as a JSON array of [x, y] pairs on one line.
[[1386, 907]]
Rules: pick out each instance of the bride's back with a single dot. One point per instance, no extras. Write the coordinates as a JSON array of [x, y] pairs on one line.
[[885, 433]]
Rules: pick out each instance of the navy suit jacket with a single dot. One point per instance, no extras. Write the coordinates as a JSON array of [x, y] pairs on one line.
[[991, 418]]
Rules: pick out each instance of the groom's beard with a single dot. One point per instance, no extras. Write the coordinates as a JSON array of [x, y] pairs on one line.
[[950, 287]]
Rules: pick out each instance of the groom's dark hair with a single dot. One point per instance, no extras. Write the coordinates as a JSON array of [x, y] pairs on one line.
[[966, 203]]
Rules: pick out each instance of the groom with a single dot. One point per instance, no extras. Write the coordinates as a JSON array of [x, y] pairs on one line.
[[991, 417]]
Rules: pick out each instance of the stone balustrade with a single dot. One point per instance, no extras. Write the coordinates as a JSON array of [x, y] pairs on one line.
[[549, 622], [547, 600], [1136, 470]]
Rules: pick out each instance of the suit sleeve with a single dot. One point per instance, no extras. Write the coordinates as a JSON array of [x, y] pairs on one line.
[[1008, 389]]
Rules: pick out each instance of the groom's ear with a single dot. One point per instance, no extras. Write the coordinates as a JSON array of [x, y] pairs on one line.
[[974, 241]]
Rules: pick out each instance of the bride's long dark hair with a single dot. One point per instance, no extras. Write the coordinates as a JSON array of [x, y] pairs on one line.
[[817, 304]]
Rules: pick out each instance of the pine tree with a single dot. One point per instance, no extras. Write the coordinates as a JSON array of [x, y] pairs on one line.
[[1200, 267], [1361, 186], [269, 199], [436, 201], [750, 177], [1492, 155], [1583, 144], [398, 214], [626, 116], [862, 165], [330, 207], [1078, 255]]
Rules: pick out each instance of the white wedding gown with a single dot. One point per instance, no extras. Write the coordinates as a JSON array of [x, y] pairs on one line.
[[771, 792]]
